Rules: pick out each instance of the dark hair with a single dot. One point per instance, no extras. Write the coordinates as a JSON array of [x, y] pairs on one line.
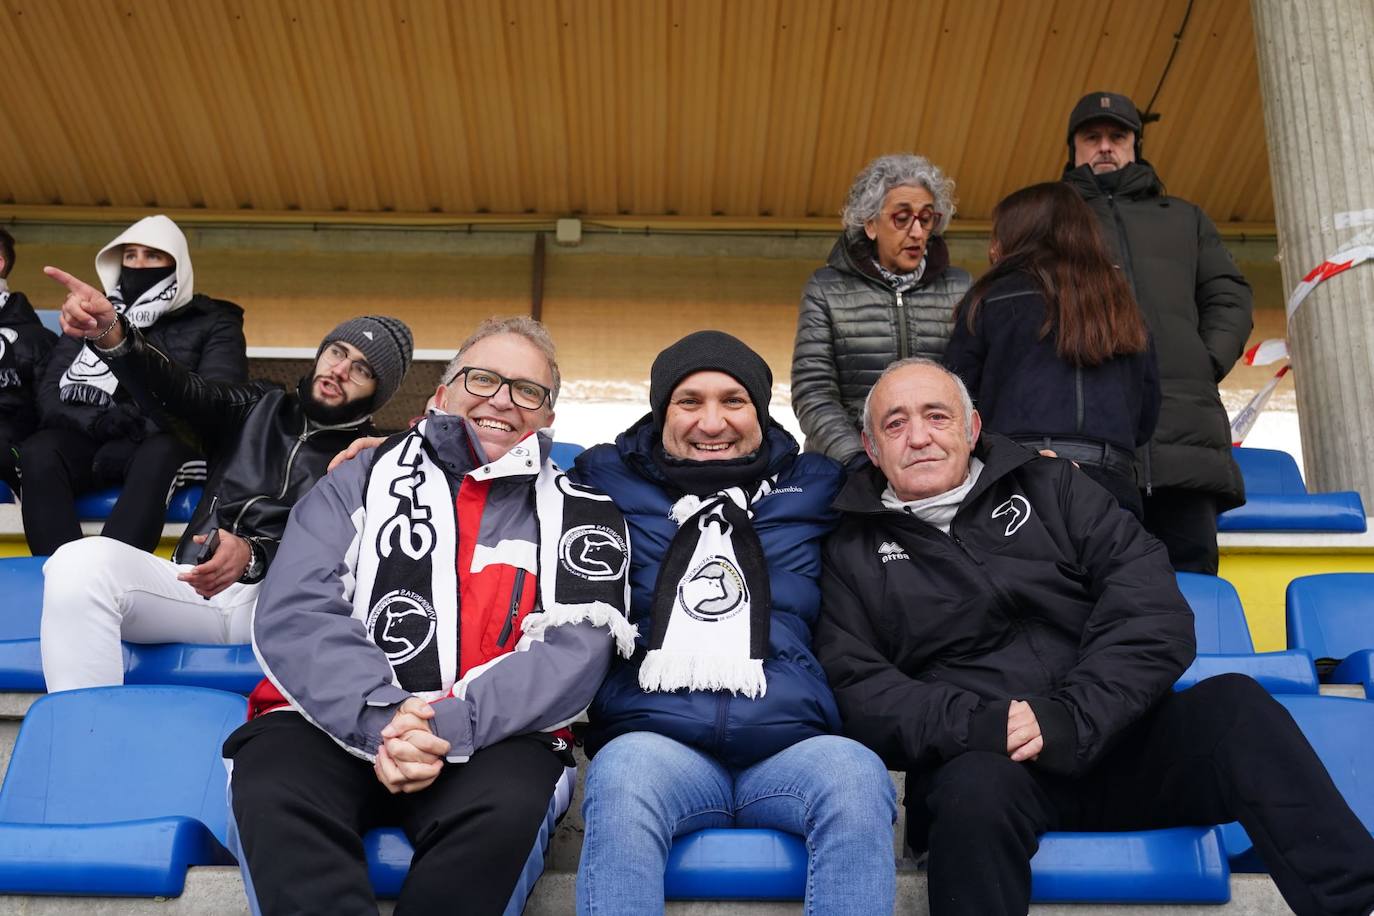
[[1047, 232], [6, 252]]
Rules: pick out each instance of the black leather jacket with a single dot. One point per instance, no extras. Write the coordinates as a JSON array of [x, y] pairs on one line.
[[264, 452]]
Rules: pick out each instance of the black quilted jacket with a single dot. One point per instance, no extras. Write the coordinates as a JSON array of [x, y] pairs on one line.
[[851, 325]]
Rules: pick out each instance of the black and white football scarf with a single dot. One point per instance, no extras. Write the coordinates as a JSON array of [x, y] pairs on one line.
[[712, 602], [406, 593], [88, 380]]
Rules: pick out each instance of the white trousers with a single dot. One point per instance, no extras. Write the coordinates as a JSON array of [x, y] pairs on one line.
[[98, 591]]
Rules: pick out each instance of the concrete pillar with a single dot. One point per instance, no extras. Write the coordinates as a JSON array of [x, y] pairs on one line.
[[1316, 68]]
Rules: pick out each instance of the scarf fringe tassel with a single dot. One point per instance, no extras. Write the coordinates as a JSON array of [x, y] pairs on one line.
[[598, 615], [668, 671]]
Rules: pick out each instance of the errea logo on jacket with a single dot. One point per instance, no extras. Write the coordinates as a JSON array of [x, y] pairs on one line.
[[892, 551]]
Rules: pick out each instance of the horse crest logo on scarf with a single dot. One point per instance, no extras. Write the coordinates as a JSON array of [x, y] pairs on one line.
[[714, 590], [402, 623]]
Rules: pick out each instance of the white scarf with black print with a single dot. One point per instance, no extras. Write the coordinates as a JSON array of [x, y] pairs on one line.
[[712, 601], [88, 380]]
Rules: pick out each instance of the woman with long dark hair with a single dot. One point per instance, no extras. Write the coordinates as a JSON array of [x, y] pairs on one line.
[[1051, 343]]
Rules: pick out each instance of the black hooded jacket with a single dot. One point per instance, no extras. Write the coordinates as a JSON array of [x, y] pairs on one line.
[[24, 347], [1044, 591], [264, 452], [1199, 311], [851, 324], [205, 336]]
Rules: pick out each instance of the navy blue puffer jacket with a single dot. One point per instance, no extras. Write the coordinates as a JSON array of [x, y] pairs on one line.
[[790, 522]]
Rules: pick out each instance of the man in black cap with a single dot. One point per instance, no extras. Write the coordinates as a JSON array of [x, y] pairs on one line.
[[267, 447], [722, 716], [1198, 308]]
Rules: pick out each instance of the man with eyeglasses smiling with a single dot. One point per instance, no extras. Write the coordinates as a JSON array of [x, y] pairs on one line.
[[267, 447], [445, 605]]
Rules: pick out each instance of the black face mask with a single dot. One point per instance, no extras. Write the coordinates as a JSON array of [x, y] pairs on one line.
[[135, 281], [325, 414]]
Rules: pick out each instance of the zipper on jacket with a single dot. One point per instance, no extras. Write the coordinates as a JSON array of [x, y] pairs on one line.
[[515, 594], [285, 478], [902, 345], [722, 707]]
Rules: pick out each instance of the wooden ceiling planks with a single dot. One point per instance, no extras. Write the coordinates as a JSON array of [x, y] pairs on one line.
[[746, 110]]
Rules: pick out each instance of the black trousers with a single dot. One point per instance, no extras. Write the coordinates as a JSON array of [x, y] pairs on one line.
[[302, 804], [1222, 751], [1186, 521], [60, 464]]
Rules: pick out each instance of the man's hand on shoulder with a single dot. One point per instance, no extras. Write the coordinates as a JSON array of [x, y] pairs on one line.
[[223, 569], [411, 756], [1024, 741], [354, 447]]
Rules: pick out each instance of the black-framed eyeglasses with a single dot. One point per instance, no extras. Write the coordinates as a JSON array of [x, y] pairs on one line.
[[484, 384], [358, 369], [928, 218]]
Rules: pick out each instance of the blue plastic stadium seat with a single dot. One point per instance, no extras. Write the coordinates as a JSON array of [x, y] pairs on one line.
[[1269, 471], [565, 453], [1218, 615], [21, 608], [736, 864], [1184, 864], [1331, 616], [98, 504], [6, 494], [1276, 672], [1178, 865], [1322, 512], [231, 667], [1224, 645], [1341, 731], [99, 800]]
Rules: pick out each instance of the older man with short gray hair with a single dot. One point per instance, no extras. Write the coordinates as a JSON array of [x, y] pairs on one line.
[[995, 625]]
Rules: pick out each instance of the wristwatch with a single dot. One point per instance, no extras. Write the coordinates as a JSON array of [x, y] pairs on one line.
[[253, 571]]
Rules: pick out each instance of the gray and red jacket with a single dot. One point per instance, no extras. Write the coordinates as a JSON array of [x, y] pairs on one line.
[[516, 640]]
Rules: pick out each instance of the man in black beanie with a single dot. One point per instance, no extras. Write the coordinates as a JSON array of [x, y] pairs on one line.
[[1198, 308], [721, 717], [267, 447]]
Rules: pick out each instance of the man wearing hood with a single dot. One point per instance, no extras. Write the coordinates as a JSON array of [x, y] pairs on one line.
[[268, 447], [24, 345], [722, 717], [93, 433], [887, 292], [1198, 308]]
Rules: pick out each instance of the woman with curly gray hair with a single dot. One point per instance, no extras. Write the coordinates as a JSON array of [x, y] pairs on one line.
[[887, 292]]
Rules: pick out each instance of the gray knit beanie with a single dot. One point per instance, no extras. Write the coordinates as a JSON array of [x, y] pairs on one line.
[[707, 351], [387, 344]]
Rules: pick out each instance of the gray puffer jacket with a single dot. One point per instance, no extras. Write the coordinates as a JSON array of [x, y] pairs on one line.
[[852, 324]]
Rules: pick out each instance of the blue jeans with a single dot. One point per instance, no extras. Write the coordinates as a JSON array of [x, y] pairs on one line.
[[644, 789]]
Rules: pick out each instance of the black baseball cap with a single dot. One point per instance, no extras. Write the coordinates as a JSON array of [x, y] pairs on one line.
[[1104, 106]]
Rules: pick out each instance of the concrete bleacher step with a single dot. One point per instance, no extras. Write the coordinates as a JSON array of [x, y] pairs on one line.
[[211, 890], [219, 892]]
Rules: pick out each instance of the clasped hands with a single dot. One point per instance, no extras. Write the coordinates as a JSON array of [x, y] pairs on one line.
[[1024, 741], [411, 755]]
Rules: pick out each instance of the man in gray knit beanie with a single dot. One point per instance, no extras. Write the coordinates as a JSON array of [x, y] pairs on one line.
[[386, 346], [267, 447]]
